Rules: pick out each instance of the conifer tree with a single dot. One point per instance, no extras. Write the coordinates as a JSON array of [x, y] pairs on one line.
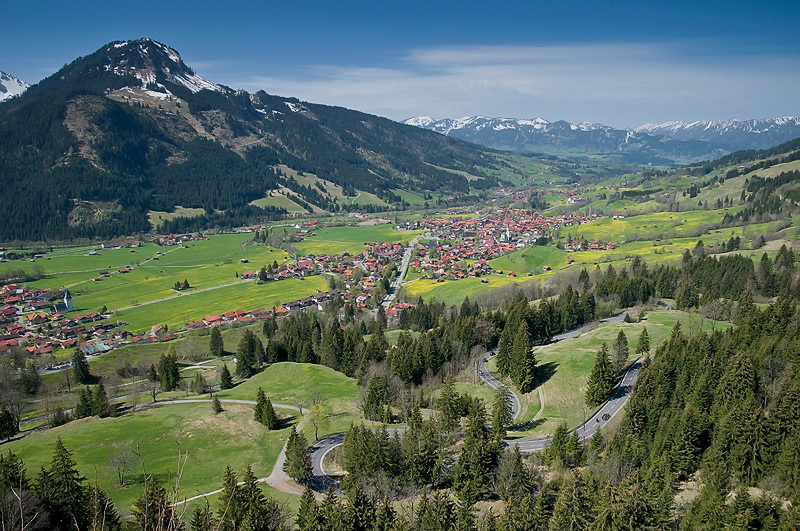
[[104, 515], [152, 375], [620, 352], [643, 345], [80, 368], [308, 516], [84, 407], [473, 469], [231, 509], [203, 519], [198, 384], [264, 412], [298, 459], [601, 380], [153, 509], [62, 491], [168, 370], [216, 406], [501, 412], [225, 378], [573, 509], [101, 406], [216, 345]]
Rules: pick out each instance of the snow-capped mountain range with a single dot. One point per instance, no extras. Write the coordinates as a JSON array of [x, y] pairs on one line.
[[737, 134], [537, 135], [669, 142], [11, 86]]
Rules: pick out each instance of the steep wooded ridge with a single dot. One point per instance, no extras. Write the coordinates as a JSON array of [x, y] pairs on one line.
[[90, 150]]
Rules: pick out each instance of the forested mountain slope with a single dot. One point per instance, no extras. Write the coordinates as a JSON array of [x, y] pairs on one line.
[[130, 128]]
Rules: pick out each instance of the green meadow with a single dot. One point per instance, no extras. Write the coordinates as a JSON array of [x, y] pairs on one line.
[[568, 363], [351, 239], [295, 384], [245, 295], [169, 438]]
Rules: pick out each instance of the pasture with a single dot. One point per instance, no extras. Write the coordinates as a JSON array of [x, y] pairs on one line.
[[565, 366], [166, 437]]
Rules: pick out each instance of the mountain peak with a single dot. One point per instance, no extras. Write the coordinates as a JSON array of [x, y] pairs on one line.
[[11, 86], [142, 63]]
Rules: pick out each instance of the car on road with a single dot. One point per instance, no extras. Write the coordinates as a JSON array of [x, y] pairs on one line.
[[605, 417]]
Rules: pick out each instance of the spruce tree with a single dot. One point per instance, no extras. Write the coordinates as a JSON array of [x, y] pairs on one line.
[[643, 345], [101, 406], [501, 412], [62, 491], [308, 516], [203, 519], [620, 352], [9, 424], [601, 380], [520, 352], [84, 407], [298, 459], [216, 406], [216, 345], [231, 509], [104, 515], [264, 412], [225, 378], [80, 368], [168, 370], [198, 384], [573, 509], [153, 510]]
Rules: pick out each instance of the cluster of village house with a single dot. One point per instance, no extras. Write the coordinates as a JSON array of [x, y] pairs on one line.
[[456, 242], [30, 320]]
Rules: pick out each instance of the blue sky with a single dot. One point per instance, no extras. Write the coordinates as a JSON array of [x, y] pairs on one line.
[[614, 62]]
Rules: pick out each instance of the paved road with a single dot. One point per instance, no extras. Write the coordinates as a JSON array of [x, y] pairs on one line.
[[599, 419], [494, 383], [398, 281]]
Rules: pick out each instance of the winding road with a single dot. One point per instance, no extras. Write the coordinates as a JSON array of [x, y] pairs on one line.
[[321, 480]]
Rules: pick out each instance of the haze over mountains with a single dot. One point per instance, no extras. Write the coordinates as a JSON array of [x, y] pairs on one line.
[[670, 142]]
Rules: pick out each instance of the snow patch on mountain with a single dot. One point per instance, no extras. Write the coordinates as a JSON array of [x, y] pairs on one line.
[[11, 86]]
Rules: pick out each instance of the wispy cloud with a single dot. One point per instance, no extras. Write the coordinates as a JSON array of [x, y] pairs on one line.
[[617, 84]]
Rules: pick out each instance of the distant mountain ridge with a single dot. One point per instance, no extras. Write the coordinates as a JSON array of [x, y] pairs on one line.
[[130, 128], [563, 138], [10, 86], [733, 134], [676, 142]]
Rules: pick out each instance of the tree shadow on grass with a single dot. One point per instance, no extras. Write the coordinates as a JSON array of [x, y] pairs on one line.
[[524, 426], [545, 372]]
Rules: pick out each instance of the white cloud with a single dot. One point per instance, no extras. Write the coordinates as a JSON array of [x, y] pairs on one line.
[[617, 84]]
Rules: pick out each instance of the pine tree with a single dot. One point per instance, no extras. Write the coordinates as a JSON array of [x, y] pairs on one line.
[[308, 515], [198, 384], [601, 380], [216, 345], [80, 368], [225, 379], [84, 407], [203, 519], [231, 509], [62, 491], [298, 459], [101, 406], [573, 509], [216, 406], [501, 412], [620, 352], [153, 509], [264, 412], [168, 370], [643, 345]]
